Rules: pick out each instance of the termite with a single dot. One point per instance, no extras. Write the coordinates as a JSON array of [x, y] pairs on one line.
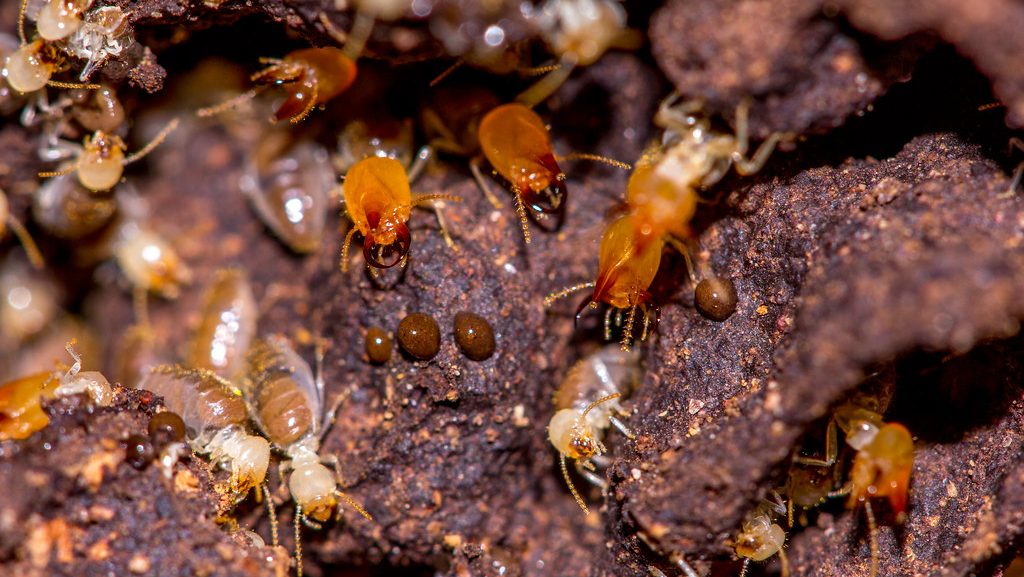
[[579, 424], [516, 143], [101, 159], [8, 221], [33, 64], [227, 325], [881, 467], [29, 302], [21, 411], [67, 210], [761, 537], [286, 401], [383, 137], [379, 201], [625, 273], [215, 417], [289, 182], [578, 32], [149, 261]]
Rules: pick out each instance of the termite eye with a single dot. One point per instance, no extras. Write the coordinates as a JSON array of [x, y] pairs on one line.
[[138, 451], [549, 200], [165, 428], [387, 255]]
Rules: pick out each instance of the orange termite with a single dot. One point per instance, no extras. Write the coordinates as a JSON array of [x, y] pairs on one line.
[[310, 76], [379, 201], [516, 143], [625, 274]]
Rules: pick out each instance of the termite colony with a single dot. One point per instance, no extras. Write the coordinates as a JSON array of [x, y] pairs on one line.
[[243, 400]]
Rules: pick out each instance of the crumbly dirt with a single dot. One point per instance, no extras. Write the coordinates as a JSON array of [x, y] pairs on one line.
[[878, 245]]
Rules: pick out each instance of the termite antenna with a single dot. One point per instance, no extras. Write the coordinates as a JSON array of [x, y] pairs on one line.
[[546, 86], [73, 85], [298, 540], [555, 296], [627, 332], [538, 70], [21, 21], [521, 211], [597, 158], [157, 141], [271, 512], [447, 72], [344, 249], [425, 198], [596, 403], [872, 537], [990, 106], [746, 565], [55, 173], [35, 257], [230, 103], [354, 504], [140, 303], [785, 562], [572, 488]]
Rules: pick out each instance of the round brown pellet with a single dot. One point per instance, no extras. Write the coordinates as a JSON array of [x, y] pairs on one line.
[[715, 298], [138, 451], [378, 345], [419, 335], [165, 428], [474, 336]]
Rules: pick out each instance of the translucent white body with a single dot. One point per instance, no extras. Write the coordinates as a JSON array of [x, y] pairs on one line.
[[581, 30], [58, 19], [25, 70]]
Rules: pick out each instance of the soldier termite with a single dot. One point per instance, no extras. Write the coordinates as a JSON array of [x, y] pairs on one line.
[[588, 403], [287, 403], [21, 411], [625, 274], [215, 417], [881, 467], [379, 201], [516, 143]]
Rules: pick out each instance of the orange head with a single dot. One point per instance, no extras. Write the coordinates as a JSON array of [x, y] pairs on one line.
[[625, 272], [21, 411], [379, 201], [311, 77], [517, 144], [882, 468]]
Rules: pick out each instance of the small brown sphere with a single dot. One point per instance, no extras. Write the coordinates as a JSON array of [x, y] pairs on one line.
[[715, 298], [419, 335], [138, 451], [474, 336], [166, 428], [378, 345]]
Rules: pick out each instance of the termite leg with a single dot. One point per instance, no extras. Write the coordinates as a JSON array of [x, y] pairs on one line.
[[872, 537], [35, 257], [684, 250], [271, 512], [474, 167], [684, 566], [621, 427], [1018, 174], [590, 476], [831, 449], [420, 162]]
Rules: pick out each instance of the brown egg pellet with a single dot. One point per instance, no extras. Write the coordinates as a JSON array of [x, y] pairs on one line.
[[715, 298], [378, 345], [419, 335], [138, 451], [474, 336], [165, 428]]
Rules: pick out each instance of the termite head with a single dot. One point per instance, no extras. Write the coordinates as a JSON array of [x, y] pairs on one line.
[[573, 436], [582, 30], [545, 190], [388, 241], [30, 67], [882, 468], [250, 457], [101, 163], [759, 539], [312, 486], [59, 19]]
